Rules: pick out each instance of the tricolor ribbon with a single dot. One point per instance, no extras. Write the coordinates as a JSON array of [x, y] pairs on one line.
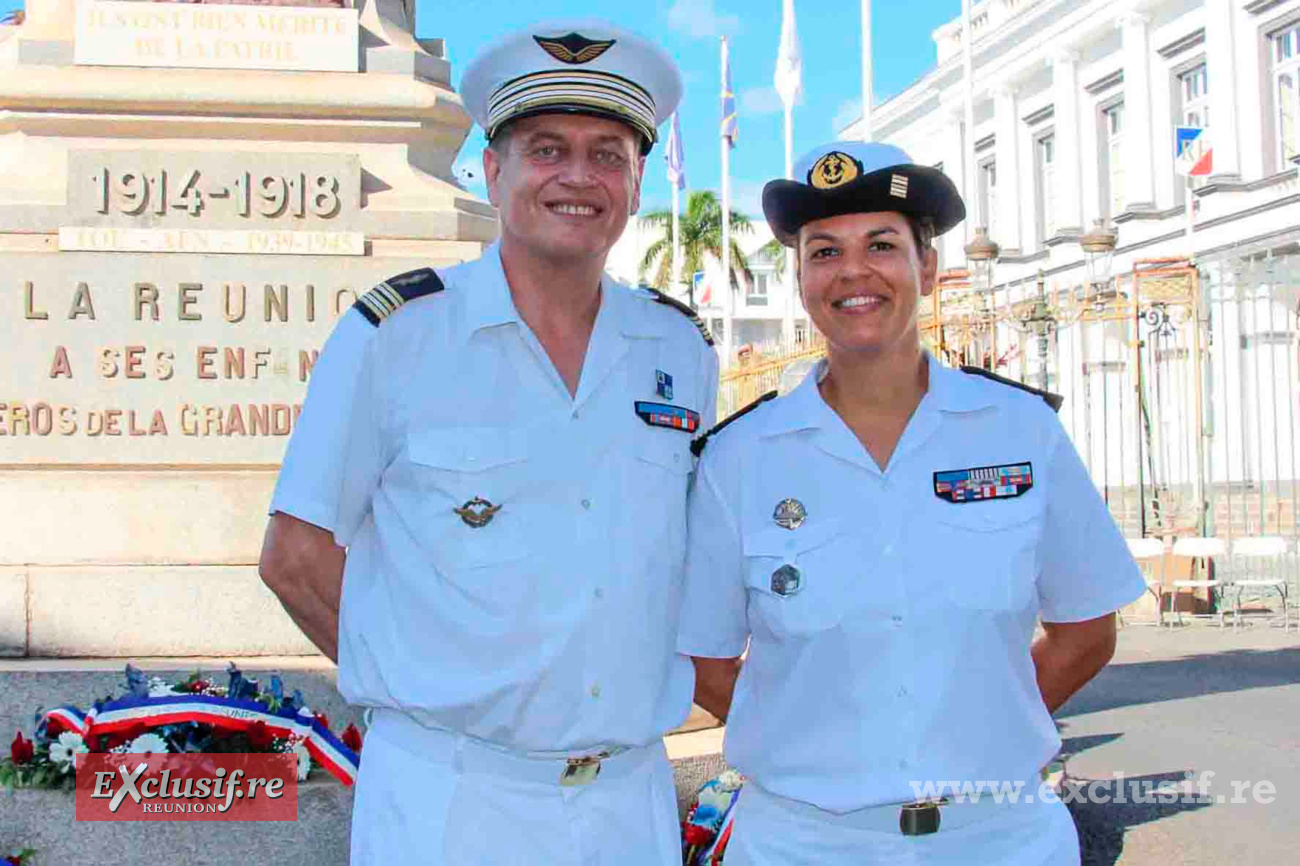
[[240, 715]]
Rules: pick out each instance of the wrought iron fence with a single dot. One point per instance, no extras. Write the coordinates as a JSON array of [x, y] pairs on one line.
[[1181, 386]]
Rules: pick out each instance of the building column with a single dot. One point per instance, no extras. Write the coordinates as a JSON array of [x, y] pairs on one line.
[[1221, 69], [1139, 168], [1065, 130], [1007, 141], [954, 166]]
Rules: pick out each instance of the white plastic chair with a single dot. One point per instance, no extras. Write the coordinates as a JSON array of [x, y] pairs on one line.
[[1204, 549], [1145, 550], [1261, 575]]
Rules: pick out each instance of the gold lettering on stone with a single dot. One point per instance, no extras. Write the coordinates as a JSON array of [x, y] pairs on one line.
[[158, 427], [339, 306], [234, 363], [60, 366], [275, 301], [67, 421], [133, 358], [230, 315], [306, 362], [205, 361], [311, 303], [107, 363], [186, 300], [162, 365], [146, 293], [42, 419], [82, 303], [261, 358], [29, 308]]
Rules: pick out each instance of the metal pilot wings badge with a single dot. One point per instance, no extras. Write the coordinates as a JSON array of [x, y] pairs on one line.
[[666, 415], [985, 482], [573, 48]]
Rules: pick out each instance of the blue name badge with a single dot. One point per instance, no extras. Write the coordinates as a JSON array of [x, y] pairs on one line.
[[985, 482], [665, 415]]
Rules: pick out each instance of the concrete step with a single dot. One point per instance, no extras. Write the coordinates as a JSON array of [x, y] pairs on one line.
[[44, 819]]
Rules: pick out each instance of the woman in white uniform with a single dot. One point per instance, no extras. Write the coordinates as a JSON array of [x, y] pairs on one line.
[[883, 540]]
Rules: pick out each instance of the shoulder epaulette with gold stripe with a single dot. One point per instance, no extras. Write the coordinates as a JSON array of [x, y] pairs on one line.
[[686, 311], [698, 445], [1053, 400], [386, 298]]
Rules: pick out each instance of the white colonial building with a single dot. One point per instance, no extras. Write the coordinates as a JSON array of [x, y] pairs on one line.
[[1075, 108], [1178, 363]]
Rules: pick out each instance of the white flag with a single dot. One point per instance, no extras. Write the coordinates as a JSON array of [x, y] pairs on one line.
[[789, 66]]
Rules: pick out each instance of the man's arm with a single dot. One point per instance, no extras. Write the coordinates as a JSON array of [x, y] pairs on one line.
[[715, 681], [1070, 654], [303, 566]]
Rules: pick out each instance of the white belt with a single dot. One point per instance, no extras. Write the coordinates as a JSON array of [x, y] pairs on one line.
[[469, 755], [914, 818]]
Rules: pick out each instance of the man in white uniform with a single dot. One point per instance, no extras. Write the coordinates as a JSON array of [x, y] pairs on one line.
[[884, 539], [503, 449]]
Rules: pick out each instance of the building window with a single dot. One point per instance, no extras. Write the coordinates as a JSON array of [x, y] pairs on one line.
[[1044, 166], [988, 193], [1286, 72], [1193, 85], [757, 295], [1113, 134]]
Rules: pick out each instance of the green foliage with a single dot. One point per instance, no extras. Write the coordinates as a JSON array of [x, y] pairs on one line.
[[700, 235]]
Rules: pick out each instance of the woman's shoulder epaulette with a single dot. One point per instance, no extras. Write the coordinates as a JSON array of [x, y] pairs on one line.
[[698, 445], [1053, 400], [386, 298]]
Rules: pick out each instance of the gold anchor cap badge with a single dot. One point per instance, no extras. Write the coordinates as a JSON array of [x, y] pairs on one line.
[[478, 512]]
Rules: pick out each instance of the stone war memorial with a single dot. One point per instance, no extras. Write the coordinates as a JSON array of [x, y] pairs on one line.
[[190, 195]]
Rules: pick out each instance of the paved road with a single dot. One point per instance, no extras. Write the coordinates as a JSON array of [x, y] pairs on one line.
[[1191, 701]]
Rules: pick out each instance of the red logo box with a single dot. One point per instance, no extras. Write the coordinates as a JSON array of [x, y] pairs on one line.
[[198, 787]]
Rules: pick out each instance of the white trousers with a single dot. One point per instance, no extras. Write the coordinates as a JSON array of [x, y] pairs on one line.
[[427, 798], [770, 830]]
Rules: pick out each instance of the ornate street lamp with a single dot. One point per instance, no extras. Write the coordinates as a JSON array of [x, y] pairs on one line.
[[1098, 259], [982, 253], [1040, 321]]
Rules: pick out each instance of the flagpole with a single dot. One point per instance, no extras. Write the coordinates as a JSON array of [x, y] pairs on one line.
[[787, 329], [729, 304], [677, 249], [867, 96], [789, 84]]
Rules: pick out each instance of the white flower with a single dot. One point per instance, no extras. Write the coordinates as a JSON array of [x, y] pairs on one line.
[[64, 751], [148, 744], [304, 761], [158, 688]]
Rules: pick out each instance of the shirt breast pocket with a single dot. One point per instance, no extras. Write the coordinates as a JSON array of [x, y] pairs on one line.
[[454, 468], [988, 549], [797, 580]]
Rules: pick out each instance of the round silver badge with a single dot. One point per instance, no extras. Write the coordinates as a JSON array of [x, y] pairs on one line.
[[789, 514]]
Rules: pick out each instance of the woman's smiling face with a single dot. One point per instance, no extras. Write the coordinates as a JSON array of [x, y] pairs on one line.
[[861, 277]]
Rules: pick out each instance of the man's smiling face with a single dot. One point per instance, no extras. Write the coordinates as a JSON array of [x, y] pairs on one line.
[[565, 184]]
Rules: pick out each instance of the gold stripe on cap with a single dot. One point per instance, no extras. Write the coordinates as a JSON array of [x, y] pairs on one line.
[[602, 91]]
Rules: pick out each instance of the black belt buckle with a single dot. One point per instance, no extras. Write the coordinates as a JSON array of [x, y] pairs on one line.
[[920, 819]]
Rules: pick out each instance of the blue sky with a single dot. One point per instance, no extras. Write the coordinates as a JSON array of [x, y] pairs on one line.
[[829, 38]]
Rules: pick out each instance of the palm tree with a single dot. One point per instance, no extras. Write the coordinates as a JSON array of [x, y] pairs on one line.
[[700, 231]]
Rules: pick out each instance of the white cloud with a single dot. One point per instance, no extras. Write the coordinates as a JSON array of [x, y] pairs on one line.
[[760, 100], [698, 19], [850, 111]]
